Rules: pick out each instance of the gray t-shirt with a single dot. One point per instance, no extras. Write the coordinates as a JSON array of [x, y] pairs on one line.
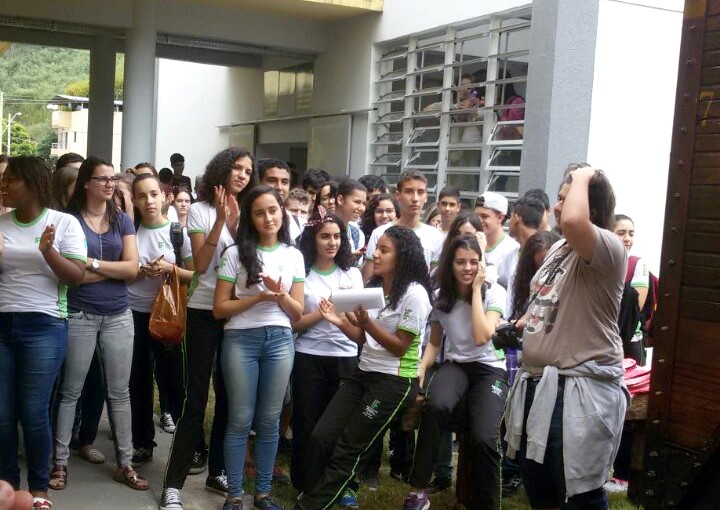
[[573, 318]]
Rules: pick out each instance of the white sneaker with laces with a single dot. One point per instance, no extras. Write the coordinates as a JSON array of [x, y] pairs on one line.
[[170, 499], [167, 423]]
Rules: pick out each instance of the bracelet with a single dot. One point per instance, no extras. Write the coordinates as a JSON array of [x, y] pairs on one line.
[[211, 244]]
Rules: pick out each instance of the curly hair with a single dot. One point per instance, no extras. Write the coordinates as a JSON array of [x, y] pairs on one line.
[[526, 269], [343, 258], [248, 237], [367, 223], [444, 277], [35, 173], [410, 265], [220, 166]]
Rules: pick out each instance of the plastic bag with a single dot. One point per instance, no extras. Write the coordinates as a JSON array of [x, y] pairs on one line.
[[167, 319]]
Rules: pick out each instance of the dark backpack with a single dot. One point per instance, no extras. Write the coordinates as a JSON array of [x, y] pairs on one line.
[[648, 310], [629, 315]]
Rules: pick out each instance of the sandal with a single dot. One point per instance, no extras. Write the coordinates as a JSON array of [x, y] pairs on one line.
[[58, 478], [128, 476]]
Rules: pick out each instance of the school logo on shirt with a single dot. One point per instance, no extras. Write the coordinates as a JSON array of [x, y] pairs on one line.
[[222, 263], [496, 388], [37, 240], [162, 244], [371, 411], [407, 314]]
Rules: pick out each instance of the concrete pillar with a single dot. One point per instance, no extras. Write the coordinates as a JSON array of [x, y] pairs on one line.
[[559, 90], [138, 133], [102, 92]]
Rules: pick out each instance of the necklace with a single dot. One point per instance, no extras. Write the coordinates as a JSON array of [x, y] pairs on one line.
[[88, 212]]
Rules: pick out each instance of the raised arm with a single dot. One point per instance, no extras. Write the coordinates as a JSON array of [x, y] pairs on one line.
[[575, 216]]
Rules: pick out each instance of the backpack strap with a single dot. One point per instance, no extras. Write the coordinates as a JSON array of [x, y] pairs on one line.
[[632, 264]]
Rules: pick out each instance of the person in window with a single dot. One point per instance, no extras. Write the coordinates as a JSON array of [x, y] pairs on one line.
[[386, 378], [42, 252]]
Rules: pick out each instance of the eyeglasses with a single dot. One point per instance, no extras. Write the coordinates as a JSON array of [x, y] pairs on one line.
[[106, 180]]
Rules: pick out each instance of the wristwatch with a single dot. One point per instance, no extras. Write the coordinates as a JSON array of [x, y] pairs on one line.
[[95, 265]]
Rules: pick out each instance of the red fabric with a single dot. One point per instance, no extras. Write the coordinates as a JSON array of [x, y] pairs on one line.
[[637, 378]]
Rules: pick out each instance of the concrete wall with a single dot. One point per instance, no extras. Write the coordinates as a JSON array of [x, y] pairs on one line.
[[636, 63], [193, 100]]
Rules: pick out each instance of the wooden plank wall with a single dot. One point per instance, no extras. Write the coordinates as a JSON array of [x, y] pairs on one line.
[[684, 410]]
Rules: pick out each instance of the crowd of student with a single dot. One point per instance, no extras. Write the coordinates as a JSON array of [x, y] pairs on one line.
[[84, 249]]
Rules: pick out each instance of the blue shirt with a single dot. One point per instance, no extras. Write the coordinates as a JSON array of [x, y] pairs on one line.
[[108, 297]]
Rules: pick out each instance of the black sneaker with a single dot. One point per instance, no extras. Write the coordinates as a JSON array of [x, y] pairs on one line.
[[511, 485], [142, 456], [266, 504], [217, 484], [439, 484], [199, 463]]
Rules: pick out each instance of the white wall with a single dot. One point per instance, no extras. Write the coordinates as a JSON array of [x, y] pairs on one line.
[[633, 103], [193, 100]]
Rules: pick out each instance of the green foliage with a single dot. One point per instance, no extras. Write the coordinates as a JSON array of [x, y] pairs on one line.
[[21, 144], [82, 88]]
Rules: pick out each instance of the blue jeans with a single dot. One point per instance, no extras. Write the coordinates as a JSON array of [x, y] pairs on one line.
[[32, 348], [256, 365]]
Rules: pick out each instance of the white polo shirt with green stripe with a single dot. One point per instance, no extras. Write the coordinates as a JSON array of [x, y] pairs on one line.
[[460, 344], [27, 284], [411, 315], [280, 261]]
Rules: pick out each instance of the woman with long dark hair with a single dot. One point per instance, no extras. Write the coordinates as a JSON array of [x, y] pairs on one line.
[[472, 369], [212, 227], [324, 356], [260, 292], [42, 251], [531, 258], [100, 316], [386, 378]]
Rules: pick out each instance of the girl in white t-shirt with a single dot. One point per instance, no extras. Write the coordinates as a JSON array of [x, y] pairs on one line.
[[42, 252], [324, 356], [259, 291], [157, 259], [386, 378], [465, 313], [212, 225]]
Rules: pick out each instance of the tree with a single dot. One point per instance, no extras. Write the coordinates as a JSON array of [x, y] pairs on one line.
[[21, 144], [81, 88]]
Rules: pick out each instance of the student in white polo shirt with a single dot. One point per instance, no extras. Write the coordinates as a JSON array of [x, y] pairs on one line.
[[492, 209], [157, 259], [212, 226], [411, 192], [465, 313], [386, 378], [259, 292], [42, 252], [324, 356], [349, 206]]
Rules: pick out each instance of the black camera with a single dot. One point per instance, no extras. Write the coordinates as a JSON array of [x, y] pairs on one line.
[[506, 337], [176, 235]]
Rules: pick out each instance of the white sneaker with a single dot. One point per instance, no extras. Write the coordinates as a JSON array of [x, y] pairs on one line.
[[616, 485], [167, 423], [170, 499]]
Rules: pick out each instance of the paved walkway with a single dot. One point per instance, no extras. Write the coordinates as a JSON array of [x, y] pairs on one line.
[[91, 487]]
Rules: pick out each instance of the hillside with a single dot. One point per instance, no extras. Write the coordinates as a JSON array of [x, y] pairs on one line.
[[30, 75]]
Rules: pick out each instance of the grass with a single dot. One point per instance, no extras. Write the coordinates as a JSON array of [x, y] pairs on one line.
[[391, 492]]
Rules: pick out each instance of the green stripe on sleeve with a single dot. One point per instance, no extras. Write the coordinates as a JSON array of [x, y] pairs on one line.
[[72, 256], [226, 278]]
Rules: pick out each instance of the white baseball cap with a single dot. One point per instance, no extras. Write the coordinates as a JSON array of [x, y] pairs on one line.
[[494, 201]]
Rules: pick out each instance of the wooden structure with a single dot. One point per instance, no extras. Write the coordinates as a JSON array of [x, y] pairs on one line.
[[681, 463]]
